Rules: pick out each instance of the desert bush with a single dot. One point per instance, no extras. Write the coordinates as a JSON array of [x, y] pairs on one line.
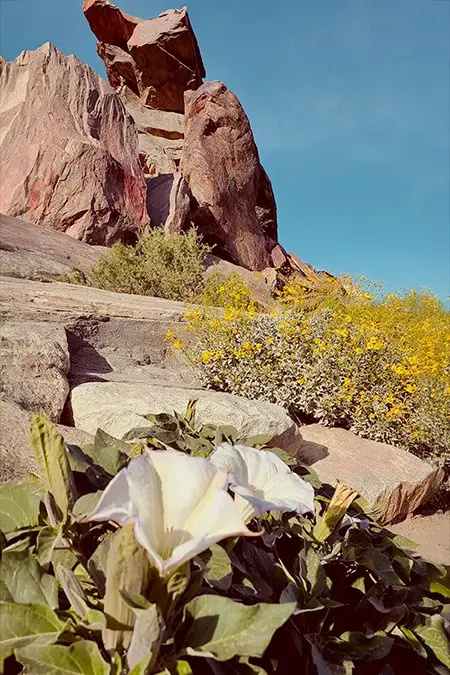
[[323, 587], [381, 369], [228, 292], [161, 265]]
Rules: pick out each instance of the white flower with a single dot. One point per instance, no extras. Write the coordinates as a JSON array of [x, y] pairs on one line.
[[179, 505], [262, 481]]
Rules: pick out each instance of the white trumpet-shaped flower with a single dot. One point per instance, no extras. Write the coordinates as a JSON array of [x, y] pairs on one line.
[[179, 505], [262, 482]]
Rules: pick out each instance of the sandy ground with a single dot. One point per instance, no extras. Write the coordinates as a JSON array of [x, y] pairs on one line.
[[432, 533]]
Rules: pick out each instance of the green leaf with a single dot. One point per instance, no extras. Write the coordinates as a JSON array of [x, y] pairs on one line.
[[80, 657], [432, 633], [314, 572], [143, 667], [23, 580], [73, 590], [107, 452], [413, 639], [146, 638], [85, 505], [25, 625], [47, 539], [221, 628], [219, 572], [98, 561], [281, 454], [52, 458], [440, 583], [183, 668], [164, 420], [189, 415], [20, 505], [359, 646]]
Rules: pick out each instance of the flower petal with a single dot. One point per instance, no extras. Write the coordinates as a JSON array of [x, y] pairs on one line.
[[289, 492], [216, 518], [184, 480], [227, 458], [115, 503]]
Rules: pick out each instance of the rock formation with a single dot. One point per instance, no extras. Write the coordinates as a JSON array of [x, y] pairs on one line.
[[159, 59], [157, 69], [68, 149], [234, 205]]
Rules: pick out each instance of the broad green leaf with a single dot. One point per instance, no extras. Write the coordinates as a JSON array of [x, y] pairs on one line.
[[219, 572], [221, 628], [359, 584], [107, 452], [52, 458], [379, 563], [432, 633], [85, 505], [23, 580], [20, 505], [358, 646], [23, 625], [164, 420], [413, 639], [98, 561], [47, 539], [80, 657], [146, 638], [73, 590], [314, 572], [403, 542], [440, 583]]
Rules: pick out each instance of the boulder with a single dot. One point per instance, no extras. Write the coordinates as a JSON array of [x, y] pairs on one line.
[[130, 326], [17, 459], [117, 407], [168, 202], [34, 365], [159, 59], [68, 150], [233, 202], [33, 252], [393, 481]]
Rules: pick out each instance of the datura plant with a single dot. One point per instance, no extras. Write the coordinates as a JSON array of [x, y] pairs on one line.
[[187, 550]]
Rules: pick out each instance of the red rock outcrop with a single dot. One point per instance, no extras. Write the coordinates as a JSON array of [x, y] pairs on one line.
[[159, 59], [234, 206], [69, 151]]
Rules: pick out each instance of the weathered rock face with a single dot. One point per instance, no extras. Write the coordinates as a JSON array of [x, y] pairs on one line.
[[17, 459], [158, 59], [32, 252], [160, 135], [234, 203], [34, 365], [393, 480], [69, 151], [168, 202], [117, 407]]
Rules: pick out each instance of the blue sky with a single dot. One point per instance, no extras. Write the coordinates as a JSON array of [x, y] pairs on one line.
[[349, 104]]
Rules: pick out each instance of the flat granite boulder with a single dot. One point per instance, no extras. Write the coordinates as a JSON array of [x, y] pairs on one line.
[[394, 480], [117, 407], [34, 366], [32, 252]]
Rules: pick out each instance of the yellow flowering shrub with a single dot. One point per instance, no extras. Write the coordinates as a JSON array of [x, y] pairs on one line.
[[232, 291], [380, 367]]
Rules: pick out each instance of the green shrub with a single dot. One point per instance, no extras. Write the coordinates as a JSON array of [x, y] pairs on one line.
[[379, 369], [332, 591], [161, 265]]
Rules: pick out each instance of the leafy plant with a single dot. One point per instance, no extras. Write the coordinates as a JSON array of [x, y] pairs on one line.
[[161, 265], [331, 593], [380, 369]]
